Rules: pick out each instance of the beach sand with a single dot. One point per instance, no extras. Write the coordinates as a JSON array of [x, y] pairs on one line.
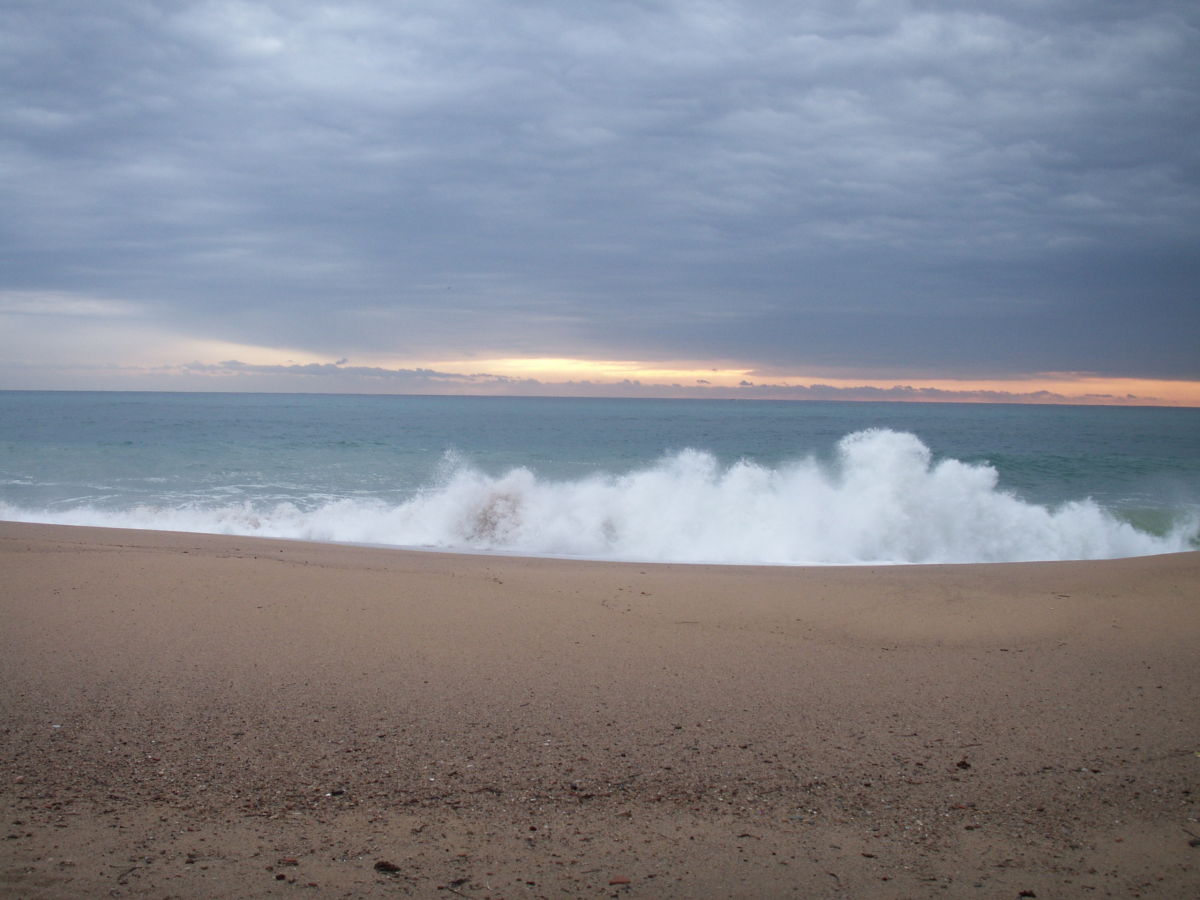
[[198, 716]]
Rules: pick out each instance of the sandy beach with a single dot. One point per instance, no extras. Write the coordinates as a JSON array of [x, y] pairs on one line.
[[198, 716]]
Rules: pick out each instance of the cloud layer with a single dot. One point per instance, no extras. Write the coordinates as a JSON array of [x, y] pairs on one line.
[[901, 189]]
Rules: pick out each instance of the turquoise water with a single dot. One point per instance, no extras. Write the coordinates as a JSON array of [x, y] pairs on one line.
[[672, 480]]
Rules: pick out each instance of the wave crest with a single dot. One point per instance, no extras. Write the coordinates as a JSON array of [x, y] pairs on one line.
[[881, 500]]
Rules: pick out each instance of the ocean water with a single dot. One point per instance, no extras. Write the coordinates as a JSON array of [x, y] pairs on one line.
[[760, 482]]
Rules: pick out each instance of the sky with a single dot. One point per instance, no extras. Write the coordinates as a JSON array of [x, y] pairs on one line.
[[824, 200]]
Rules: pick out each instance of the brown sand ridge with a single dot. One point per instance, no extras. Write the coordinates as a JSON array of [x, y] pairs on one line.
[[195, 716]]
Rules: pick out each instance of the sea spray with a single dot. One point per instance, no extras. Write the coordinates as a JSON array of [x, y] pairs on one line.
[[880, 499]]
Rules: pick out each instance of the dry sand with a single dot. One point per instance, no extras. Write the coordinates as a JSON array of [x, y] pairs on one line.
[[195, 716]]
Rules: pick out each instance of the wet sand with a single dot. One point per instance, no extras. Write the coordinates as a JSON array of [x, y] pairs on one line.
[[196, 716]]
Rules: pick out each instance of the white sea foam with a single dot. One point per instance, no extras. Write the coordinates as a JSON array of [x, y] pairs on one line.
[[882, 500]]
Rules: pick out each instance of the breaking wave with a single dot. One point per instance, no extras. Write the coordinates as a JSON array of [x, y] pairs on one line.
[[882, 499]]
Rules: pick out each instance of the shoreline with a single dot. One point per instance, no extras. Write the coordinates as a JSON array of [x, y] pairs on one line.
[[505, 554], [231, 710]]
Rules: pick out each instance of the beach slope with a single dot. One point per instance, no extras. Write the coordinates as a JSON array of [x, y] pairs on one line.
[[200, 716]]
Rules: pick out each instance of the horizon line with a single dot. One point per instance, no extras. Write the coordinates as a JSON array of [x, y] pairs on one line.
[[719, 394]]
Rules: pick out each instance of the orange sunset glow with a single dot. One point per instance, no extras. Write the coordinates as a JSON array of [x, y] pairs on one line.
[[1074, 387]]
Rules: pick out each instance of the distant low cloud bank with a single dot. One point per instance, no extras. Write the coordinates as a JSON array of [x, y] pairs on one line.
[[340, 377]]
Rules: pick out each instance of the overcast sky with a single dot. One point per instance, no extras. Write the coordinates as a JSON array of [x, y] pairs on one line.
[[878, 190]]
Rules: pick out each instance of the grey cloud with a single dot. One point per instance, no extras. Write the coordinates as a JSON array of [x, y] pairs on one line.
[[348, 374], [907, 187], [50, 303]]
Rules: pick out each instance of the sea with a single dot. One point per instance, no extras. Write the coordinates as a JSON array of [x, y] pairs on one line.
[[685, 481]]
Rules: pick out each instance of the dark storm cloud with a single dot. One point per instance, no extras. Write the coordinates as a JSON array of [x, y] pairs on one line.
[[898, 187]]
